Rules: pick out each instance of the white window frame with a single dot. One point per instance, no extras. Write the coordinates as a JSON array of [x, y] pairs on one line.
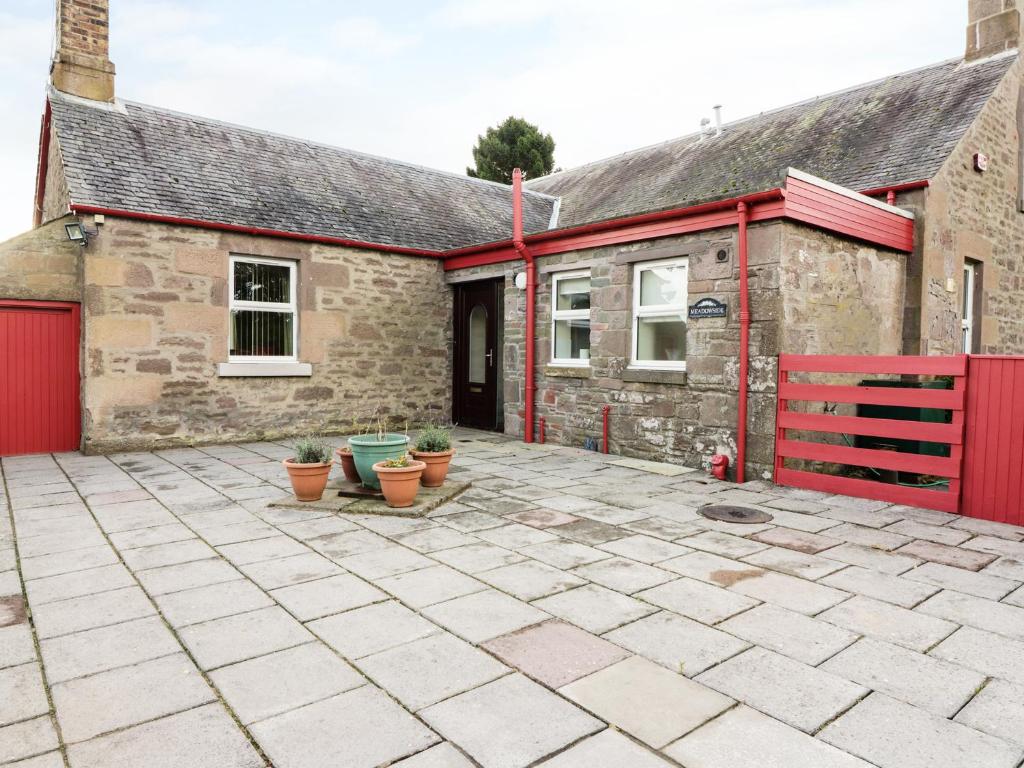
[[566, 314], [660, 310], [265, 306], [967, 321]]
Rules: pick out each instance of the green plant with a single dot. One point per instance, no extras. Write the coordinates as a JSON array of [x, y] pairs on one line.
[[312, 449], [398, 462], [434, 439]]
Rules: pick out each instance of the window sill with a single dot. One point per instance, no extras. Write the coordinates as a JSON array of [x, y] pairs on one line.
[[226, 370], [567, 371], [654, 376]]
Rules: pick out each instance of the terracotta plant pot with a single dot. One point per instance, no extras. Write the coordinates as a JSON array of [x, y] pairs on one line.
[[348, 464], [437, 466], [399, 484], [308, 480]]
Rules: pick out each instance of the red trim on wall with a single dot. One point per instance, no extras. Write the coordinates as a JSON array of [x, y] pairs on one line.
[[42, 166], [908, 187], [162, 219]]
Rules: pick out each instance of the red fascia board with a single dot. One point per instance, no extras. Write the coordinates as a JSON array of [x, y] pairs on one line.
[[907, 187], [260, 231], [42, 166], [764, 205]]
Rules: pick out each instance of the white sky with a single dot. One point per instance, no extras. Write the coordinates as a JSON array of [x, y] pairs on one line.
[[419, 80]]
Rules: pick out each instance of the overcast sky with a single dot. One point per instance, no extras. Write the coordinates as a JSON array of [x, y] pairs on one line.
[[419, 80]]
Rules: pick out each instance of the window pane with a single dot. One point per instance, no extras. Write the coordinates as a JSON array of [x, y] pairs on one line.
[[261, 334], [573, 293], [661, 339], [663, 285], [262, 282], [572, 339], [968, 275], [478, 345]]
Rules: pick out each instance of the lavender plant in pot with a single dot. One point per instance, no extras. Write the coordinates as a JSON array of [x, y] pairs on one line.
[[434, 448], [309, 468]]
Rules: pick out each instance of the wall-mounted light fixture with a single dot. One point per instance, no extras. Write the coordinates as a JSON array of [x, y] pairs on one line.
[[521, 281], [77, 233]]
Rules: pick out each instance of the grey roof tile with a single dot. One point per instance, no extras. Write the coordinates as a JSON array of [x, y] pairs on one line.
[[139, 158], [888, 132]]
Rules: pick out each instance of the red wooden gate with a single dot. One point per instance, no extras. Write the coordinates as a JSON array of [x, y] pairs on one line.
[[840, 427], [993, 477], [39, 379]]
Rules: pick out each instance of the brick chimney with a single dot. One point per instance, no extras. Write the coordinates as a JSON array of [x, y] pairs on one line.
[[993, 26], [81, 63]]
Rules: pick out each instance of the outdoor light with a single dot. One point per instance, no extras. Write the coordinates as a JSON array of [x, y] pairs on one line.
[[77, 233], [521, 281]]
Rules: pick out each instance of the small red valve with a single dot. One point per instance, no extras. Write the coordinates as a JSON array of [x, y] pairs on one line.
[[719, 465]]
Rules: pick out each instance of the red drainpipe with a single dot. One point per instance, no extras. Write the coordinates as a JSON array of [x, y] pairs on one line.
[[531, 294], [741, 439], [605, 411]]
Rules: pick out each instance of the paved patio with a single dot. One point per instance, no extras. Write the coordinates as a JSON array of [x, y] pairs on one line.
[[570, 610]]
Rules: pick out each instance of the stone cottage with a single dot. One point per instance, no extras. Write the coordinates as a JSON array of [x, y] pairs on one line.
[[226, 283]]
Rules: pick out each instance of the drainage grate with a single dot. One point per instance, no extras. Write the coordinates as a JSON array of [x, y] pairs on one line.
[[728, 513]]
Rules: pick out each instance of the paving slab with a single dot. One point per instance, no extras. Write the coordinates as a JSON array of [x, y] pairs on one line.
[[96, 650], [90, 611], [798, 540], [67, 562], [892, 734], [873, 559], [924, 681], [198, 738], [474, 558], [956, 557], [624, 575], [434, 539], [510, 723], [646, 700], [430, 585], [171, 553], [797, 694], [26, 739], [262, 549], [515, 535], [565, 554], [959, 580], [471, 520], [174, 578], [1006, 568], [608, 749], [192, 606], [89, 706], [997, 710], [542, 518], [939, 534], [589, 532], [285, 680], [220, 642], [661, 528], [316, 599], [426, 671], [530, 579], [745, 737], [555, 653], [148, 537], [441, 756], [997, 546], [594, 608], [811, 567], [865, 512], [989, 528], [889, 623], [985, 652], [999, 618], [880, 586], [724, 544], [644, 549], [677, 643], [789, 592], [286, 571], [23, 694], [792, 634], [16, 644], [1015, 598], [388, 561], [340, 545], [49, 760], [372, 629], [483, 615], [868, 536], [697, 600]]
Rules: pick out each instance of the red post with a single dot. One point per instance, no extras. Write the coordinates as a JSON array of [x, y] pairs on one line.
[[741, 438], [531, 300], [540, 428], [605, 412]]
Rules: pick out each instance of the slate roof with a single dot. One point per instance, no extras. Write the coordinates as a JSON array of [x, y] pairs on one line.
[[143, 159], [888, 132]]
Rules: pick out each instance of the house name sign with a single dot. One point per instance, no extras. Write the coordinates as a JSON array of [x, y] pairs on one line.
[[708, 308]]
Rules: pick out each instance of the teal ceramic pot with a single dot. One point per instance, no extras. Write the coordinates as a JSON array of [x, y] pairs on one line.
[[367, 450]]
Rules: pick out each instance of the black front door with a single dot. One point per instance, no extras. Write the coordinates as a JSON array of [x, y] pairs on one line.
[[477, 375]]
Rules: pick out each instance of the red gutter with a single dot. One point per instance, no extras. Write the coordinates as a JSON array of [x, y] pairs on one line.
[[910, 185], [93, 209], [531, 294], [741, 429], [43, 166]]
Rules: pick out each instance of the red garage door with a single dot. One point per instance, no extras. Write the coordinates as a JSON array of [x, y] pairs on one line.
[[39, 396]]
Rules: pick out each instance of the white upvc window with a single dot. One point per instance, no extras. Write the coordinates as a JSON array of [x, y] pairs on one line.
[[967, 315], [659, 314], [264, 324], [570, 318]]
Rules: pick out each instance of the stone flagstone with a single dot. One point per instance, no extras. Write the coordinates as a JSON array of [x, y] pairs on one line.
[[484, 615], [697, 600], [679, 644], [997, 710], [991, 654], [608, 749], [372, 629], [994, 617], [594, 608], [880, 586], [789, 633], [890, 623]]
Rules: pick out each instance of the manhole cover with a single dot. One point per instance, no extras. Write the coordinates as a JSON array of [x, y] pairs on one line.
[[727, 513]]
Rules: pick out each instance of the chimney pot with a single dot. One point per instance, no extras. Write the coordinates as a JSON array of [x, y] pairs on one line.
[[81, 62]]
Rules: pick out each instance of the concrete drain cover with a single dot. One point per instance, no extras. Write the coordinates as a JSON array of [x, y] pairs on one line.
[[728, 513]]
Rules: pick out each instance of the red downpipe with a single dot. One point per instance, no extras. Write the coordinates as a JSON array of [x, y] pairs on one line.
[[531, 295], [540, 428], [741, 439], [605, 411]]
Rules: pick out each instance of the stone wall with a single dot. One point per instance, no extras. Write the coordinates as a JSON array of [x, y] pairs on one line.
[[41, 265], [977, 216], [374, 326], [55, 192]]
